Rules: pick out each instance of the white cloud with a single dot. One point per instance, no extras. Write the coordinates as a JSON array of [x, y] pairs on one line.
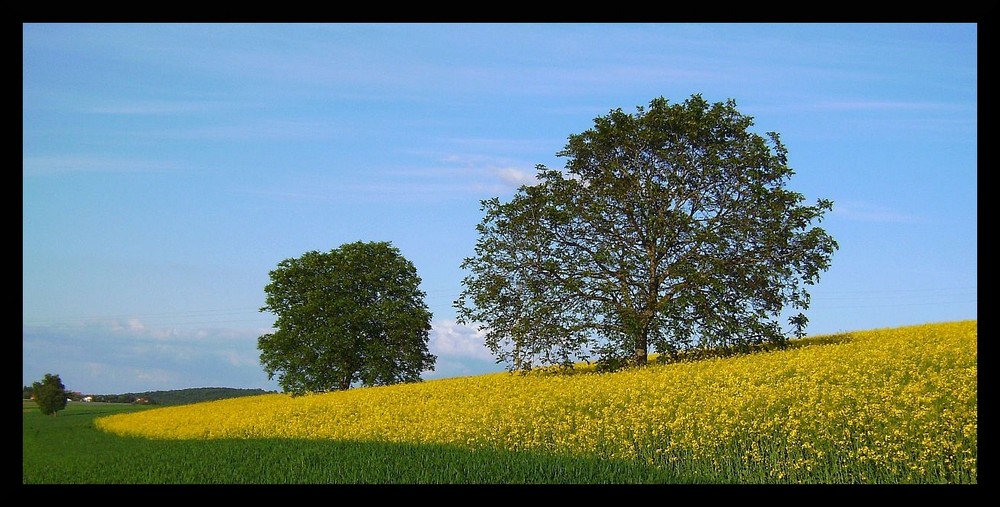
[[448, 177], [483, 170], [866, 212], [163, 333], [516, 177], [451, 339], [135, 325], [127, 355]]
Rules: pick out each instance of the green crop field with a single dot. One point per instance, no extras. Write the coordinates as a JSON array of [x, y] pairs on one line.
[[886, 406], [68, 449]]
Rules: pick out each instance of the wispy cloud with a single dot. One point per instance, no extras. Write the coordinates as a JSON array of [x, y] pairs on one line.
[[273, 129], [493, 172], [371, 58], [151, 107], [516, 177], [40, 166], [444, 178], [867, 212], [132, 325], [879, 105], [860, 105], [478, 149], [126, 355], [392, 191]]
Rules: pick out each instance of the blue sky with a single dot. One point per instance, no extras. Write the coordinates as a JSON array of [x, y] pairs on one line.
[[167, 168]]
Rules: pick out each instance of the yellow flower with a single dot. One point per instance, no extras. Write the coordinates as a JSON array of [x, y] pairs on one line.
[[899, 398]]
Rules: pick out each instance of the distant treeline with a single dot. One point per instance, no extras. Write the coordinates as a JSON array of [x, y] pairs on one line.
[[180, 396], [175, 397]]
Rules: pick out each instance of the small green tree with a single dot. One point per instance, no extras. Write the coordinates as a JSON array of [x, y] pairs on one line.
[[50, 394], [354, 315]]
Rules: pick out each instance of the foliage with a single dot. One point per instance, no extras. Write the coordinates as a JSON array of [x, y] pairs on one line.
[[353, 315], [198, 395], [669, 228], [880, 406], [50, 394]]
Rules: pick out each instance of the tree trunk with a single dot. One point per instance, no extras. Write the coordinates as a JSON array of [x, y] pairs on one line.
[[640, 355], [641, 344], [649, 312]]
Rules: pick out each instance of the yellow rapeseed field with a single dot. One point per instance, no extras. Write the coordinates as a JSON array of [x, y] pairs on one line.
[[896, 400]]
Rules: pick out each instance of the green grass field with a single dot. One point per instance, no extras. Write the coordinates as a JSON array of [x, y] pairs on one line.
[[67, 449]]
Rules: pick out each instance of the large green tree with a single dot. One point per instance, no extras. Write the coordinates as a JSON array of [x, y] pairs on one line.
[[353, 315], [668, 228], [50, 394]]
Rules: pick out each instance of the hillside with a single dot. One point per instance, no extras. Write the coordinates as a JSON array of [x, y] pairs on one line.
[[179, 396], [884, 405]]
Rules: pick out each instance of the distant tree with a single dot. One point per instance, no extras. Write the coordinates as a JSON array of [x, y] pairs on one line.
[[50, 394], [197, 394], [354, 315], [669, 228], [27, 392]]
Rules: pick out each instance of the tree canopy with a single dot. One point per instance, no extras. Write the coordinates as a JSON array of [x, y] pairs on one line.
[[353, 315], [668, 228], [50, 394]]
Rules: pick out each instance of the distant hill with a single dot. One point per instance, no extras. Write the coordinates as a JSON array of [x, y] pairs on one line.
[[179, 396]]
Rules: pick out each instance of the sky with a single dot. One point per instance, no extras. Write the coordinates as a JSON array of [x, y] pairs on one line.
[[168, 168]]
